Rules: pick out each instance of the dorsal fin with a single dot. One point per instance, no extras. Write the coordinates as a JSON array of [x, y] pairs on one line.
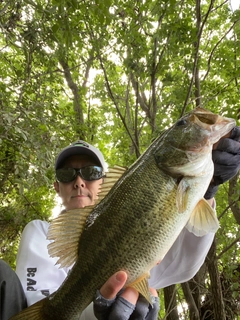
[[66, 229], [112, 176]]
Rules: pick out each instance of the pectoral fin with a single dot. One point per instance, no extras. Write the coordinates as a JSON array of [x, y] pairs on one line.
[[141, 285], [203, 219], [182, 196]]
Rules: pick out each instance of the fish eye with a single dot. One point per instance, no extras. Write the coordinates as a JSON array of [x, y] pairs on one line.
[[181, 122]]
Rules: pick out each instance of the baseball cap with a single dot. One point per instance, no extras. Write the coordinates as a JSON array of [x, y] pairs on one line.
[[80, 147]]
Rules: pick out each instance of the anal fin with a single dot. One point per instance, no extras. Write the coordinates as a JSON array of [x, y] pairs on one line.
[[141, 285]]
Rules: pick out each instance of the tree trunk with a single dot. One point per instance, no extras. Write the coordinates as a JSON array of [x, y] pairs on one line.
[[170, 302], [234, 202], [191, 291], [216, 289]]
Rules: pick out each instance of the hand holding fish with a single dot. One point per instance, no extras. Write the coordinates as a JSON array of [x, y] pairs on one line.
[[226, 159], [127, 305]]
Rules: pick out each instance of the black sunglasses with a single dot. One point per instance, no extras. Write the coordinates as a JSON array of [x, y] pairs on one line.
[[89, 173]]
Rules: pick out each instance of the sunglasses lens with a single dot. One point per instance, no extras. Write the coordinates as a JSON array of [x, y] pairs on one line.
[[65, 174], [90, 173]]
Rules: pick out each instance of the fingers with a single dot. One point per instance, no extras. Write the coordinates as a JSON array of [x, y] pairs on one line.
[[233, 135], [153, 313], [114, 309], [113, 285], [153, 292], [107, 306], [131, 295], [121, 310], [110, 305], [229, 145], [226, 158], [144, 310], [141, 310]]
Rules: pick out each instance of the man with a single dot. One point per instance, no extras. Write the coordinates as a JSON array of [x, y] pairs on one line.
[[79, 175]]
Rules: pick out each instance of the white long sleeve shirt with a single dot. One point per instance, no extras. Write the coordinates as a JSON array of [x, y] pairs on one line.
[[40, 276]]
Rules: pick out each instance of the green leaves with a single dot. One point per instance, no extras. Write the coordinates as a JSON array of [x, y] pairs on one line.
[[115, 73]]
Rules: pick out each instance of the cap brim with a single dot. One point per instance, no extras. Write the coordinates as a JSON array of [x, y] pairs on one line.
[[78, 150]]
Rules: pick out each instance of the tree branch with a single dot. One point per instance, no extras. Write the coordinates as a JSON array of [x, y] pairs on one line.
[[215, 47], [116, 104], [227, 248], [197, 45], [76, 95]]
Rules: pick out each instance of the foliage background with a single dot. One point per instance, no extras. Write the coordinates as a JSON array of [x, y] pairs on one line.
[[116, 73]]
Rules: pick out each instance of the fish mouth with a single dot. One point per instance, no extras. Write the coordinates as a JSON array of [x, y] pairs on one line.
[[187, 146], [208, 119], [217, 126]]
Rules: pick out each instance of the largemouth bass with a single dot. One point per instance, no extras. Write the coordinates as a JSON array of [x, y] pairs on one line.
[[137, 218]]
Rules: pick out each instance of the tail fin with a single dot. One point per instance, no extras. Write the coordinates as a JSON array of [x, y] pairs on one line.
[[31, 313]]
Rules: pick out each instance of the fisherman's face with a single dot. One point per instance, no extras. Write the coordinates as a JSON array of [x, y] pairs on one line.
[[78, 193]]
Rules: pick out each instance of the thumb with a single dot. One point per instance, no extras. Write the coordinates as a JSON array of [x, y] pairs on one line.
[[113, 285]]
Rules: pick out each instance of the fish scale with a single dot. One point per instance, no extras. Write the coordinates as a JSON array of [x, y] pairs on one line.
[[133, 226]]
